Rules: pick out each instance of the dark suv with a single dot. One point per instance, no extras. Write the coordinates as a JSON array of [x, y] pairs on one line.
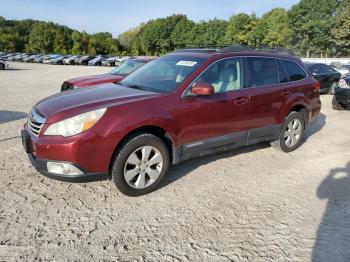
[[186, 104]]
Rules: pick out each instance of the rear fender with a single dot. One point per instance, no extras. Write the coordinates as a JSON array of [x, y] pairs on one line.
[[294, 101]]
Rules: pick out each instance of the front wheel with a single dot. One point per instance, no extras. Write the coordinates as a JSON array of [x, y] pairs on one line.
[[292, 133], [140, 164]]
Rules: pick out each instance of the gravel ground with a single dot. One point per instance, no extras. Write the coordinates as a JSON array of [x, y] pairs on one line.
[[251, 204]]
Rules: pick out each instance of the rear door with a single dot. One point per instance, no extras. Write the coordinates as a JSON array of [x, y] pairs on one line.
[[266, 97], [219, 119]]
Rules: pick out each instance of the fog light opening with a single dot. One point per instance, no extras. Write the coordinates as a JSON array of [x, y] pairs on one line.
[[63, 169]]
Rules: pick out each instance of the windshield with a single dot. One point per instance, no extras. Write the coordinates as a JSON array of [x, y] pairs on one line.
[[164, 74], [127, 67]]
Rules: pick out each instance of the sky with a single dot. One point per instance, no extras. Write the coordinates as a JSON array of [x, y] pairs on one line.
[[117, 16]]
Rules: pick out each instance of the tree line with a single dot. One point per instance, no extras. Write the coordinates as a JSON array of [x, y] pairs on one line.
[[310, 28]]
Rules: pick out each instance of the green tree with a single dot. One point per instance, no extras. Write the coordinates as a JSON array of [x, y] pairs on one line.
[[341, 31], [239, 29], [41, 38], [207, 34], [80, 43], [311, 23], [155, 37], [272, 30], [102, 44], [127, 38]]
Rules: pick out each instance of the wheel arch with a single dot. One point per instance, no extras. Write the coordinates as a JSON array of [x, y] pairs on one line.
[[151, 129], [297, 103]]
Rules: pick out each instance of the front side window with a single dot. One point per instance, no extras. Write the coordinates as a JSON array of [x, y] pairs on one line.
[[127, 67], [224, 76], [163, 74], [294, 70], [262, 71]]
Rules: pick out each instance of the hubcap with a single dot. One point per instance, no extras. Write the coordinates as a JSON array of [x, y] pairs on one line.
[[292, 133], [143, 167]]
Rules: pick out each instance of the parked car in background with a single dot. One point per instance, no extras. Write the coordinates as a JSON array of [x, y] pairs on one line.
[[3, 65], [22, 57], [6, 56], [344, 70], [116, 75], [182, 105], [49, 58], [83, 60], [31, 58], [112, 61], [327, 76], [341, 98], [40, 58], [15, 57], [97, 61], [58, 60], [70, 60]]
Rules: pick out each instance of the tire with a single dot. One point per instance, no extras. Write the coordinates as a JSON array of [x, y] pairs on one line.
[[2, 66], [283, 143], [336, 105], [134, 147]]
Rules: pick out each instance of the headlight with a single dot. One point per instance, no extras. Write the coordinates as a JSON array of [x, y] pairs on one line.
[[343, 84], [75, 125]]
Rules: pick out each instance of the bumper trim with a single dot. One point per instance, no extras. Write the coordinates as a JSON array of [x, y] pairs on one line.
[[41, 166]]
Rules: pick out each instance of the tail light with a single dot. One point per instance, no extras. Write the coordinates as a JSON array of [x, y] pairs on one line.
[[316, 86], [343, 84]]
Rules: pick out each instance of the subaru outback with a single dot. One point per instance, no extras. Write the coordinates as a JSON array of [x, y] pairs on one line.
[[186, 104]]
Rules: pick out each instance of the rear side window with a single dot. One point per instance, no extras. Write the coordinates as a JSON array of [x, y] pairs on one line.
[[262, 71], [294, 70]]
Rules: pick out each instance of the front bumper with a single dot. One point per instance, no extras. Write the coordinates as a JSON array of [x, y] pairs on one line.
[[342, 96], [41, 165]]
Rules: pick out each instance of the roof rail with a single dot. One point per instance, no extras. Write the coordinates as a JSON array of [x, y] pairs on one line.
[[242, 48], [235, 48], [197, 50]]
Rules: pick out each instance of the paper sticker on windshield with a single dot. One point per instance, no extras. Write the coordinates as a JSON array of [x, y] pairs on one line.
[[186, 63]]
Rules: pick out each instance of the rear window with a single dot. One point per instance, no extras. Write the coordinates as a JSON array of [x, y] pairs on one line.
[[262, 71], [294, 70]]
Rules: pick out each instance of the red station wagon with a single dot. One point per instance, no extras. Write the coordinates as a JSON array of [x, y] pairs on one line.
[[189, 103], [116, 75]]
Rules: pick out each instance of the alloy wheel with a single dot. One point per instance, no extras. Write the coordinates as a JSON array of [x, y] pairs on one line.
[[143, 167], [293, 133]]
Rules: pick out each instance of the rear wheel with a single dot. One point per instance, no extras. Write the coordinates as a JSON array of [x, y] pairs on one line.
[[292, 133], [140, 164], [2, 66], [336, 105]]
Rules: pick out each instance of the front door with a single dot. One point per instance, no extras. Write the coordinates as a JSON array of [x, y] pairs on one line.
[[219, 119]]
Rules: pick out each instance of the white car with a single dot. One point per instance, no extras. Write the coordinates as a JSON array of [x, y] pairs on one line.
[[3, 65], [344, 70]]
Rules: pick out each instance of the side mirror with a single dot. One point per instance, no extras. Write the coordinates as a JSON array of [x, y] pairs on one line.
[[202, 89]]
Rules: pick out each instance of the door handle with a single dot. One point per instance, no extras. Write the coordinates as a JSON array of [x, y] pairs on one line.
[[286, 93], [240, 101]]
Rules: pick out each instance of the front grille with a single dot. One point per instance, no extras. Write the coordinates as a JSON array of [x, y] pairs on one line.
[[67, 86], [34, 127]]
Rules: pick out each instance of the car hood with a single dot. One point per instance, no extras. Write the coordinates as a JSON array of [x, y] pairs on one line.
[[94, 80], [71, 103]]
